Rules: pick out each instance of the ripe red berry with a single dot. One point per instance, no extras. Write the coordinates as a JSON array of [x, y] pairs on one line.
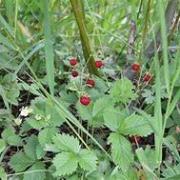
[[136, 67], [147, 77], [99, 64], [90, 83], [74, 73], [85, 100], [73, 61]]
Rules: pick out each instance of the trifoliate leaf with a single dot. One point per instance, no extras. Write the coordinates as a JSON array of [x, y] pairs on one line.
[[65, 163], [121, 151], [87, 160], [20, 161], [66, 143], [123, 91], [136, 125], [36, 172]]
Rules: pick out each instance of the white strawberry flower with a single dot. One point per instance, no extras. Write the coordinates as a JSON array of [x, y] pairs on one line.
[[18, 121], [25, 111]]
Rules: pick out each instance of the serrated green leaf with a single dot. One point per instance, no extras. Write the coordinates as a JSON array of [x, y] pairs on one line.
[[30, 147], [5, 116], [101, 104], [129, 175], [36, 172], [123, 91], [149, 96], [51, 148], [73, 177], [38, 124], [135, 125], [2, 145], [65, 163], [65, 142], [121, 151], [172, 172], [10, 137], [39, 151], [9, 89], [3, 175], [20, 161], [33, 88], [87, 160], [172, 144], [45, 136], [85, 112], [113, 118], [147, 157], [44, 114]]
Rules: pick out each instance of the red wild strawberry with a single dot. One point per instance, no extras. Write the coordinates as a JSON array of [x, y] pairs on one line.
[[90, 83], [147, 77], [73, 61], [85, 100], [74, 73], [99, 64], [136, 67]]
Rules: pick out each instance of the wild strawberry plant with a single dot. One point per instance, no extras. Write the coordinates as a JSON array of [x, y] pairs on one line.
[[81, 97]]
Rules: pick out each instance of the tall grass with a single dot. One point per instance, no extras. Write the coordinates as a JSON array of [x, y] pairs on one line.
[[160, 117], [49, 54], [164, 43]]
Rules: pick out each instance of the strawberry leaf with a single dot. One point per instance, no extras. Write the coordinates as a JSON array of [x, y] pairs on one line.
[[136, 125], [123, 91], [37, 171], [101, 104], [121, 151], [20, 161], [87, 160], [66, 143], [65, 163], [113, 118], [45, 136]]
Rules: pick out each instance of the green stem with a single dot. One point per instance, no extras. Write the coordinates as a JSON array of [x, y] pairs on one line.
[[77, 7]]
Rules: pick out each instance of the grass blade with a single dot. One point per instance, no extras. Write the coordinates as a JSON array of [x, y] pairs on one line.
[[48, 47], [164, 43]]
